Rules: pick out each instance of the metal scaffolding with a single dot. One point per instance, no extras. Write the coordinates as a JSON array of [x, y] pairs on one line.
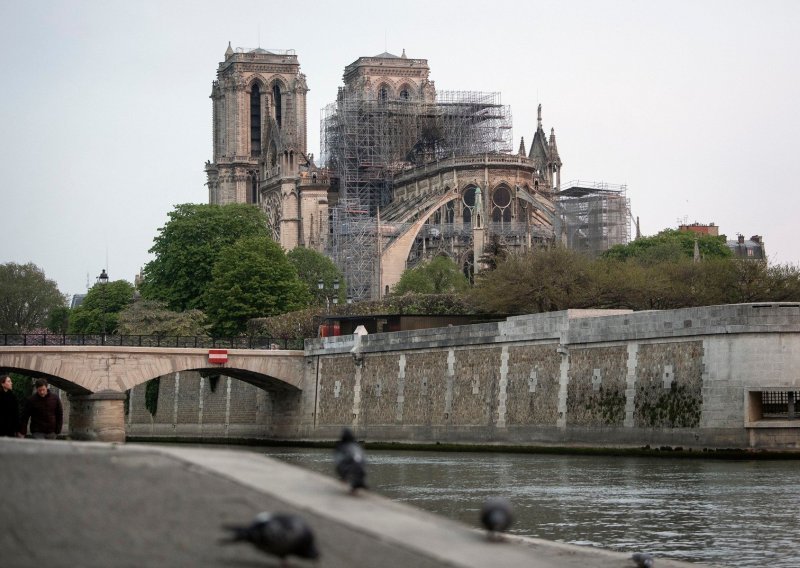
[[591, 217], [366, 142]]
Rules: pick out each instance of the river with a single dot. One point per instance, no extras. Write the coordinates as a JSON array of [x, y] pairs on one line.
[[728, 513]]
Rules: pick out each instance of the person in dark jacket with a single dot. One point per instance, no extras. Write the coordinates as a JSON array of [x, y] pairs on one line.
[[9, 409], [44, 411]]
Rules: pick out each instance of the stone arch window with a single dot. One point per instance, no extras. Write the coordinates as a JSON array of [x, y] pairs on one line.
[[468, 199], [405, 93], [450, 212], [252, 196], [255, 120], [276, 98], [501, 205], [383, 93]]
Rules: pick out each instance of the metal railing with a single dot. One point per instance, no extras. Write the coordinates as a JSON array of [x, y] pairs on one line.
[[180, 341]]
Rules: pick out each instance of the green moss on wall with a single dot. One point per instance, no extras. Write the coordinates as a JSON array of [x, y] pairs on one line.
[[676, 407]]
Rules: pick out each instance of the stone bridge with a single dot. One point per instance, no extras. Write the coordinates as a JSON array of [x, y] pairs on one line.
[[96, 377]]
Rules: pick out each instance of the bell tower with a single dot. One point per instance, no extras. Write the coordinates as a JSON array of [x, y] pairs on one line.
[[259, 122]]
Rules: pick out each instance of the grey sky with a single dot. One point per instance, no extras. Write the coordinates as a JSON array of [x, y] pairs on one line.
[[107, 121]]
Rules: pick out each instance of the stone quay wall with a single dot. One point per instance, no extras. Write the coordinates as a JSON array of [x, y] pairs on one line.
[[691, 378]]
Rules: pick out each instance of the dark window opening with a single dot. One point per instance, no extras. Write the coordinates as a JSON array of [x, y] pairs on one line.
[[469, 203], [450, 213], [779, 404], [255, 121], [276, 97], [383, 94], [253, 187], [404, 94]]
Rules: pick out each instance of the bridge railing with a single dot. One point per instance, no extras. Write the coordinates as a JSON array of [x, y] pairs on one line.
[[180, 341]]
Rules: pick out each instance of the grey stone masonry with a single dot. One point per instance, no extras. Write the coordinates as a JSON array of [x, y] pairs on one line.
[[692, 377]]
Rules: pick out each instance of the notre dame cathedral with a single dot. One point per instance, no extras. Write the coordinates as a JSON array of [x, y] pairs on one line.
[[406, 172]]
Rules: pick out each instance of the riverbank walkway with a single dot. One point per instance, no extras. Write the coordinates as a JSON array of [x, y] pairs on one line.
[[94, 504]]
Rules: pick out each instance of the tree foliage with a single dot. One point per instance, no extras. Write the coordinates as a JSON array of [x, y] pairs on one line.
[[151, 317], [252, 278], [188, 246], [58, 320], [312, 267], [540, 281], [440, 275], [670, 245], [100, 309], [558, 279], [27, 297]]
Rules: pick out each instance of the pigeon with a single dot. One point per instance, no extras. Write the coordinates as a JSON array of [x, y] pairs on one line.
[[643, 560], [496, 517], [278, 534], [350, 463]]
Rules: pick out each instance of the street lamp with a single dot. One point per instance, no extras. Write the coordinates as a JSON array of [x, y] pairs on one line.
[[328, 299], [103, 280]]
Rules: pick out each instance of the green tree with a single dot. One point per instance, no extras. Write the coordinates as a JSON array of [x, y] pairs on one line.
[[100, 309], [151, 317], [670, 244], [312, 267], [58, 320], [542, 280], [188, 246], [27, 297], [252, 278], [437, 276], [784, 283]]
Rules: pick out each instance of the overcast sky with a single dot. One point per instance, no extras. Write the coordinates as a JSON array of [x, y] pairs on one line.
[[106, 120]]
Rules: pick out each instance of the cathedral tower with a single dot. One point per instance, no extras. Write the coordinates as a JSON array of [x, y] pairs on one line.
[[259, 122]]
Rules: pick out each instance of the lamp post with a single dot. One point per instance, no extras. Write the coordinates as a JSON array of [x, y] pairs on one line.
[[103, 280], [329, 299]]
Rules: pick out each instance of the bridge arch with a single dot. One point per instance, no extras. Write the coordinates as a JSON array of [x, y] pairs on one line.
[[83, 370], [96, 377]]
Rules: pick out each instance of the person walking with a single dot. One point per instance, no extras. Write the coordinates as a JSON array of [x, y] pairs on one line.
[[44, 411], [9, 408]]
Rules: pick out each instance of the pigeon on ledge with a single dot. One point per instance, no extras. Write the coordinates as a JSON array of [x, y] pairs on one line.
[[496, 517], [643, 560], [348, 457], [278, 534]]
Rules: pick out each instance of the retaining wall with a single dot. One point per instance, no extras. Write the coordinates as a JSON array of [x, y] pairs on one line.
[[692, 378]]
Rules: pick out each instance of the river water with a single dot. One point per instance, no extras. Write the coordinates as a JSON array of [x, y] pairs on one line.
[[728, 513]]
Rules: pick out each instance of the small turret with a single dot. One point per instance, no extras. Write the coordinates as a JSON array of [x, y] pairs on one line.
[[553, 149], [522, 151], [229, 51]]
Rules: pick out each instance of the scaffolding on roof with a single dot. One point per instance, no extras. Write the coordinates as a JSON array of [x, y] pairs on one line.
[[367, 141], [591, 217]]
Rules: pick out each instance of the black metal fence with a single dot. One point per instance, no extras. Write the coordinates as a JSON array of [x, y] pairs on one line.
[[248, 342]]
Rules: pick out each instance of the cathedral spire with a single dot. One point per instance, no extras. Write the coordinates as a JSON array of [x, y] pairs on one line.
[[522, 151], [404, 54], [539, 118], [552, 148], [229, 51]]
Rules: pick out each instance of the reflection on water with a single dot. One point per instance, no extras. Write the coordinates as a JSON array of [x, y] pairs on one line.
[[721, 512]]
